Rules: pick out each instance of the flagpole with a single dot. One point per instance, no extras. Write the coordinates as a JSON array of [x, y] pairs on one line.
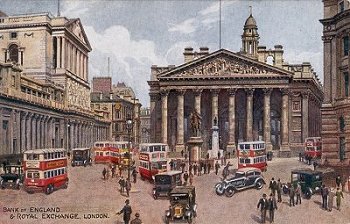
[[220, 25]]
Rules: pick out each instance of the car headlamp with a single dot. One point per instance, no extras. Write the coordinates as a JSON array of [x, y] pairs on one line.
[[167, 214]]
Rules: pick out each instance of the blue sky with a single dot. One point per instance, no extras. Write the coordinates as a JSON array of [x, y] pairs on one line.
[[138, 34]]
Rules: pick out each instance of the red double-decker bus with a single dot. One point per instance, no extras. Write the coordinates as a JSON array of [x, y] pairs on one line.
[[313, 147], [252, 154], [152, 159], [45, 170], [111, 152]]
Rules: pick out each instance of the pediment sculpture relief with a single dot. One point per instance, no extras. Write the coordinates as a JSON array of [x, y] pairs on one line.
[[222, 66]]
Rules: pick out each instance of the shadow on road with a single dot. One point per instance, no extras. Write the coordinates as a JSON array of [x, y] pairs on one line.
[[255, 218], [318, 203]]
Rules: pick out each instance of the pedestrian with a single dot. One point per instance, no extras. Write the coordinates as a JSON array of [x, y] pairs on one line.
[[205, 165], [217, 166], [263, 205], [113, 171], [171, 163], [108, 172], [209, 167], [324, 194], [185, 177], [185, 156], [315, 165], [225, 159], [200, 165], [300, 156], [273, 186], [126, 210], [182, 153], [191, 179], [279, 190], [127, 187], [104, 172], [134, 174], [207, 156], [183, 165], [291, 195], [272, 206], [122, 184], [136, 220], [219, 155], [339, 195], [298, 193], [331, 199], [338, 181], [229, 155], [120, 170], [195, 167]]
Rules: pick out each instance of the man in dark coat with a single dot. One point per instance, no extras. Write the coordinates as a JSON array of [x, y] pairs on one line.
[[279, 190], [126, 210], [217, 166], [272, 206], [127, 187], [209, 167], [134, 174], [273, 186], [195, 167], [122, 184], [263, 205], [324, 194], [205, 165], [291, 195], [185, 176], [104, 172], [136, 220]]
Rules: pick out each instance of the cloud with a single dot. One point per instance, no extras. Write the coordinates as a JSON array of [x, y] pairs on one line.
[[73, 9], [174, 54], [214, 7], [186, 26]]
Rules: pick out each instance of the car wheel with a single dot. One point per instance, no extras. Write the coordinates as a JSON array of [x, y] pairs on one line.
[[73, 164], [189, 219], [308, 193], [259, 184], [85, 163], [230, 191], [155, 196], [285, 189], [220, 189], [167, 220], [2, 184]]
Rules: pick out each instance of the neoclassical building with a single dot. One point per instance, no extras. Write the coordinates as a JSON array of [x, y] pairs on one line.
[[336, 105], [44, 86], [250, 98]]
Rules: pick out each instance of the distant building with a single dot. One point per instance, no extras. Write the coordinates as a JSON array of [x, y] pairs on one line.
[[249, 98], [118, 103], [45, 93], [145, 125], [336, 105]]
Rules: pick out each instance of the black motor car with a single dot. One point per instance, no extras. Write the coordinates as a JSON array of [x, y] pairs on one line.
[[13, 177], [183, 207], [165, 182], [81, 157], [244, 178]]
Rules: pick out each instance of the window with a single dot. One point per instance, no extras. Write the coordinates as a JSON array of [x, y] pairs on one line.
[[341, 6], [13, 81], [346, 83], [346, 45], [13, 35], [341, 124], [13, 52], [342, 148]]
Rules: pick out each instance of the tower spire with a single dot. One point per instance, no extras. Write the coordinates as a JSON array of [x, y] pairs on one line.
[[251, 10]]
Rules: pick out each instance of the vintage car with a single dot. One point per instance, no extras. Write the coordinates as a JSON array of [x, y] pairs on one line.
[[243, 178], [13, 177], [81, 157], [183, 207], [165, 182], [310, 181]]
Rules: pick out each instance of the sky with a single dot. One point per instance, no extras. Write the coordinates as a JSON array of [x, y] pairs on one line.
[[136, 34]]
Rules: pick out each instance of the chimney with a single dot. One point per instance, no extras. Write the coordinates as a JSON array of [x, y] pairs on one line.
[[188, 54]]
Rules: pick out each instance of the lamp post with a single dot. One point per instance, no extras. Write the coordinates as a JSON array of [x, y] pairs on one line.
[[129, 126]]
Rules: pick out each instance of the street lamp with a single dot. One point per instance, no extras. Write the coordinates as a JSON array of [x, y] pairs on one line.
[[129, 126]]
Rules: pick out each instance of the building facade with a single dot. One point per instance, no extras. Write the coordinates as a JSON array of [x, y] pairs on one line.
[[117, 103], [145, 125], [336, 105], [249, 98], [45, 93]]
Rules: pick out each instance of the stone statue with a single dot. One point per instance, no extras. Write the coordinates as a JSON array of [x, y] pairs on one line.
[[195, 119], [215, 121]]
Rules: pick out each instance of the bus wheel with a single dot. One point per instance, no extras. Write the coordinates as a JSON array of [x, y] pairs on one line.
[[49, 189], [65, 185]]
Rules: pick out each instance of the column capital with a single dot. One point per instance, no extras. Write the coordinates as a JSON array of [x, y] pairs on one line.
[[197, 91], [267, 91], [215, 91], [164, 92], [181, 91], [249, 91], [232, 91], [154, 96], [305, 94], [284, 91]]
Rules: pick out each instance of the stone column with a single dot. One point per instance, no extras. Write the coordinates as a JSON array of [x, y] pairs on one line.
[[180, 121], [2, 135], [231, 146], [305, 115], [17, 150], [58, 52], [164, 94], [249, 93], [215, 105], [71, 137], [34, 131], [285, 120], [63, 53], [39, 133], [197, 100], [78, 64], [50, 131], [23, 131], [267, 122], [154, 98]]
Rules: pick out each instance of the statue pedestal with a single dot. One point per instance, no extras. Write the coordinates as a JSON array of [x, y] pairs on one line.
[[215, 143], [195, 148]]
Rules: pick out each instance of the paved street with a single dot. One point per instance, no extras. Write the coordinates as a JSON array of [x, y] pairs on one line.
[[89, 199]]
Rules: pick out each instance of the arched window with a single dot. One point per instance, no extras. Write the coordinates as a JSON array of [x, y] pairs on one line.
[[13, 53]]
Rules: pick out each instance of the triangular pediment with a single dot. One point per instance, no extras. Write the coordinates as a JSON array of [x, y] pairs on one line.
[[76, 28], [224, 63]]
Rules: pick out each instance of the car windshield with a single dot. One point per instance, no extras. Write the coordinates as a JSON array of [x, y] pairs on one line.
[[162, 179], [175, 198], [239, 174]]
